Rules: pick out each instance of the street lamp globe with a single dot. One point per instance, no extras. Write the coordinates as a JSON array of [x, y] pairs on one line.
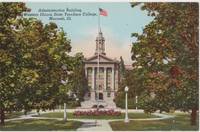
[[126, 89]]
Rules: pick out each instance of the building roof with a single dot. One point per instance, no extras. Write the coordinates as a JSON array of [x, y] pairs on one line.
[[102, 59], [100, 49]]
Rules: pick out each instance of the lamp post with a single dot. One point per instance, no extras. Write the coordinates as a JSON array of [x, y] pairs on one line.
[[64, 82], [136, 101], [126, 105], [65, 112]]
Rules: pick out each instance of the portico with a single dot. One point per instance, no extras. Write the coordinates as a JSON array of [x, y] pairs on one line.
[[102, 81], [106, 81]]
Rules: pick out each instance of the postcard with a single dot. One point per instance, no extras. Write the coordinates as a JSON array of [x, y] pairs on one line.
[[99, 66]]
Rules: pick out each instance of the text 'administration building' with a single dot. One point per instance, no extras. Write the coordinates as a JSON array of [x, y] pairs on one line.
[[107, 80]]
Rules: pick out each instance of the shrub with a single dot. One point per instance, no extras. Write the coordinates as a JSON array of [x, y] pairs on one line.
[[97, 113]]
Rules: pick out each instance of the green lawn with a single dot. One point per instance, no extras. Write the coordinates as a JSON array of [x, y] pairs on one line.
[[122, 116], [182, 122], [13, 115], [40, 125]]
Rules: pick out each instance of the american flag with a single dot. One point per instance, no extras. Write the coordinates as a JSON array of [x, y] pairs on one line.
[[103, 12]]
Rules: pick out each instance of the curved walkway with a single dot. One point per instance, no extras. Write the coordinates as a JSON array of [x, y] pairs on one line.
[[93, 124]]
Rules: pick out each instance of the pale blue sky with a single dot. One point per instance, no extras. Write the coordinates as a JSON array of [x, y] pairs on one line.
[[122, 20]]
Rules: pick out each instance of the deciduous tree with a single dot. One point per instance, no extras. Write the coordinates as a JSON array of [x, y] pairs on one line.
[[168, 50], [31, 58]]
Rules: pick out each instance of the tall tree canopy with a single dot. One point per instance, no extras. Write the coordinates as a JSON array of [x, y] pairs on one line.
[[9, 57], [168, 51], [122, 69], [134, 80], [31, 58], [78, 82]]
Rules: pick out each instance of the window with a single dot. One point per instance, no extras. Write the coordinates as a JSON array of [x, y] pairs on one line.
[[95, 95], [100, 87], [108, 94], [89, 94], [89, 77], [108, 88]]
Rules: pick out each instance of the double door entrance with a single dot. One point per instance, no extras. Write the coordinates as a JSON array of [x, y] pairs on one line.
[[99, 96]]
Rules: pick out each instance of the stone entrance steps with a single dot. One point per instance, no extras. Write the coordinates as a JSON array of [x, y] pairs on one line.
[[105, 104]]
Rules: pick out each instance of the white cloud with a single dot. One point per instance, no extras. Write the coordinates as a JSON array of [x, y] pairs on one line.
[[113, 46]]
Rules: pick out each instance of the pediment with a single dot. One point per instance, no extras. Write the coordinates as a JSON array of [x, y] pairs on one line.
[[102, 58]]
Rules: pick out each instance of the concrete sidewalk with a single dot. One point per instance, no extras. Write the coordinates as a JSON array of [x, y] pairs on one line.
[[95, 125], [92, 124]]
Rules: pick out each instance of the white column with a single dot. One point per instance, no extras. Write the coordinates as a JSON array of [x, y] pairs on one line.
[[105, 72], [93, 77], [113, 78]]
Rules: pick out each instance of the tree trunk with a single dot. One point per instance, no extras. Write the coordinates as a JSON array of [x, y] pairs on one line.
[[38, 111], [2, 116], [25, 112], [194, 116]]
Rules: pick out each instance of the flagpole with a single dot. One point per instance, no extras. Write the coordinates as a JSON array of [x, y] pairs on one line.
[[98, 21], [98, 62]]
